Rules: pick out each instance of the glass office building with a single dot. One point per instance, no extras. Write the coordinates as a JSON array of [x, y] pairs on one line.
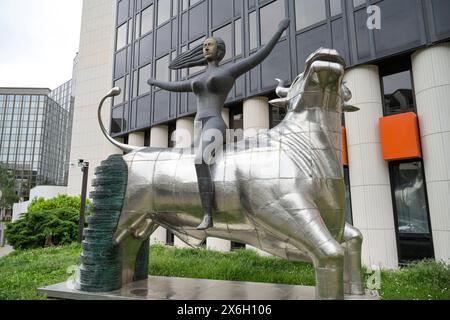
[[398, 70], [35, 135]]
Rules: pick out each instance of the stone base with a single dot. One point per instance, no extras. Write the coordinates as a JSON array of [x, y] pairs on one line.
[[164, 288]]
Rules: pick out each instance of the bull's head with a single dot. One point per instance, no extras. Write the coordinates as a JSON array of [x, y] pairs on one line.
[[319, 85]]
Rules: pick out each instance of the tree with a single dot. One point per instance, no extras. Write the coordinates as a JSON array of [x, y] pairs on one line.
[[7, 194]]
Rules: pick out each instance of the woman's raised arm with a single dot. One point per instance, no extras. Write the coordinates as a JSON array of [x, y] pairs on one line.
[[175, 86], [241, 67]]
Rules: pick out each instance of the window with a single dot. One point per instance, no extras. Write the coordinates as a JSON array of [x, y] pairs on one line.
[[147, 20], [398, 93], [137, 26], [162, 68], [252, 27], [121, 37], [309, 12], [357, 3], [225, 34], [120, 98], [270, 14], [163, 11], [193, 45], [144, 75], [116, 124], [238, 37], [335, 7], [276, 116], [411, 211]]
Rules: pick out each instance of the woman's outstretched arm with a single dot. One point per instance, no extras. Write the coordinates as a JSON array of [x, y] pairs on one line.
[[241, 67], [175, 86]]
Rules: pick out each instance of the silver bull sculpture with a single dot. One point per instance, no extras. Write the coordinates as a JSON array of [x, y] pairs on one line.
[[281, 191]]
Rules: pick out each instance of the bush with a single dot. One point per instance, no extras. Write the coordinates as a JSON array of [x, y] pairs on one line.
[[59, 202], [47, 222], [44, 228]]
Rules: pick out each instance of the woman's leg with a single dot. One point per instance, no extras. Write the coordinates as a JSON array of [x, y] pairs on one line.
[[203, 169]]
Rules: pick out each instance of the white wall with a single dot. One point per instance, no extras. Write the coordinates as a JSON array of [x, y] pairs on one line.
[[93, 80], [431, 72], [46, 192]]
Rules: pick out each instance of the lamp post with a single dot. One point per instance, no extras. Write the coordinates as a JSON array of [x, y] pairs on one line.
[[85, 169]]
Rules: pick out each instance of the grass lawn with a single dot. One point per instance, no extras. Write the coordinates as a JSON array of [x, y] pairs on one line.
[[21, 272]]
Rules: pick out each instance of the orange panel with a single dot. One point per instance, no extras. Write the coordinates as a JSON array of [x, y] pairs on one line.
[[400, 138], [344, 147]]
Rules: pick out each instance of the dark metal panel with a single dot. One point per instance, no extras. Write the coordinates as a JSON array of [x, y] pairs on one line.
[[401, 28]]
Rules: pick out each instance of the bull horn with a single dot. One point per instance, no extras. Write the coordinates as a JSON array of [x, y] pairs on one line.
[[281, 91], [124, 147], [349, 108], [280, 103]]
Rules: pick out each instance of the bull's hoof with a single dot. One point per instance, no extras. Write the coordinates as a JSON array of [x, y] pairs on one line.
[[206, 223]]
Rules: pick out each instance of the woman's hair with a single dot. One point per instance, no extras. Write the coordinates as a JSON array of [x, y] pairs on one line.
[[195, 57]]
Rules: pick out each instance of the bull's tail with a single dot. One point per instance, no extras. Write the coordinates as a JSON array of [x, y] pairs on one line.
[[124, 147]]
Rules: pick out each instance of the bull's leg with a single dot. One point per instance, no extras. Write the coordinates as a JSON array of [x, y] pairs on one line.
[[134, 244], [292, 217], [352, 262]]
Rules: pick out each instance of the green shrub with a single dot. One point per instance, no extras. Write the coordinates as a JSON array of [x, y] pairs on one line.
[[59, 202], [47, 222], [42, 228]]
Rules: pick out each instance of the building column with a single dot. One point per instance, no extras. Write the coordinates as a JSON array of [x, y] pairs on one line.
[[431, 72], [184, 136], [256, 118], [159, 138], [217, 244], [136, 139], [369, 173], [256, 115]]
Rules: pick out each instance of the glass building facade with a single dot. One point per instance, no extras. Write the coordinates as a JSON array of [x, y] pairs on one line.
[[35, 136]]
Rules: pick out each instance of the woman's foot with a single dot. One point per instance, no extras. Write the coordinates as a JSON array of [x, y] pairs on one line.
[[206, 223]]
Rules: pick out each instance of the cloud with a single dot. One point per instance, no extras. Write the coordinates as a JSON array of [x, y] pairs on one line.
[[39, 41]]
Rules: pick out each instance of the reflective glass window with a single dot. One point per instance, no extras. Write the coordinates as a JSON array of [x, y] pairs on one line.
[[162, 68], [335, 7], [147, 20], [144, 74], [270, 14], [410, 199], [163, 11], [252, 27], [174, 7], [309, 12], [357, 3], [121, 84], [238, 37], [121, 37], [225, 34], [398, 93]]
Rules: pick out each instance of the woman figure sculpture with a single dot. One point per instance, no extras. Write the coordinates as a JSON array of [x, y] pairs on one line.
[[211, 89]]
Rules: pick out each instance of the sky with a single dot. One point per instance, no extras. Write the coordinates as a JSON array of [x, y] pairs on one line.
[[38, 42]]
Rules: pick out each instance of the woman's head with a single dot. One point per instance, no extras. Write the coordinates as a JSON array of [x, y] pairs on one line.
[[212, 49]]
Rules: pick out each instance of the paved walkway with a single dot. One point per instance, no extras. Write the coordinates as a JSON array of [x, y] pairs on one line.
[[5, 250]]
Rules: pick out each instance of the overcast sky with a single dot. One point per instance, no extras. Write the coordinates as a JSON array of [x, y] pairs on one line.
[[38, 41]]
